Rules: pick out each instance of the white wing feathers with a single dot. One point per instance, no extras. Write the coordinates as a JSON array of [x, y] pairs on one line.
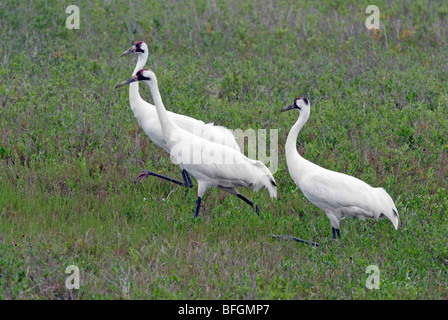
[[148, 119], [334, 191]]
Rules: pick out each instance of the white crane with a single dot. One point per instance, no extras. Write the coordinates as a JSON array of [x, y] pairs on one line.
[[146, 115], [212, 164], [337, 194]]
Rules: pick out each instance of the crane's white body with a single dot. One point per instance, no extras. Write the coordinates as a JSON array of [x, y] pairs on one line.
[[337, 194], [228, 172], [148, 119]]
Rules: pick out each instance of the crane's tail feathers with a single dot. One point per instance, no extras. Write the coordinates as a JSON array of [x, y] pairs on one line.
[[266, 180]]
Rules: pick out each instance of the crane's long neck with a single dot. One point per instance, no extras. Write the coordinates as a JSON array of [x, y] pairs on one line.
[[293, 157], [134, 95], [166, 123]]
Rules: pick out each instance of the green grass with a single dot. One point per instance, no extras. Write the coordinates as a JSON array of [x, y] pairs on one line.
[[70, 149]]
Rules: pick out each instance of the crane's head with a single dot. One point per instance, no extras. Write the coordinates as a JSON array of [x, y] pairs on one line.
[[138, 47], [299, 103], [141, 75]]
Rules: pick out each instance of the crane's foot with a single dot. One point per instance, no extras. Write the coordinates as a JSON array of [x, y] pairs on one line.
[[198, 206], [142, 175], [253, 205], [337, 232], [257, 211], [295, 239]]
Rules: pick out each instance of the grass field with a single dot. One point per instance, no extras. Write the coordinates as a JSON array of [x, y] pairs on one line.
[[70, 148]]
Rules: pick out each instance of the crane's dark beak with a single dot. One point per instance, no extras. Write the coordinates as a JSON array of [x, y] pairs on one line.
[[130, 50], [290, 107], [130, 80]]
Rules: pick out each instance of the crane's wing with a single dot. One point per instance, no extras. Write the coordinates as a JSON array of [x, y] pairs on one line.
[[332, 191], [209, 131], [223, 166]]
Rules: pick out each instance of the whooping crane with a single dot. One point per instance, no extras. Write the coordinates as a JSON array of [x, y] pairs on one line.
[[220, 166], [146, 115], [337, 194]]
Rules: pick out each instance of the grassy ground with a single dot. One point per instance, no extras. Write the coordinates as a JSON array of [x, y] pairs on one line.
[[70, 148]]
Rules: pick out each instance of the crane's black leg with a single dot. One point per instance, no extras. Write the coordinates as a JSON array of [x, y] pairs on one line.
[[198, 206], [295, 239], [254, 206], [334, 231], [190, 183], [147, 173], [187, 181], [236, 193]]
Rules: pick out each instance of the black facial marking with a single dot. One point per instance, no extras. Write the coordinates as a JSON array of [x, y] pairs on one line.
[[138, 47], [140, 76], [395, 213], [305, 100]]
